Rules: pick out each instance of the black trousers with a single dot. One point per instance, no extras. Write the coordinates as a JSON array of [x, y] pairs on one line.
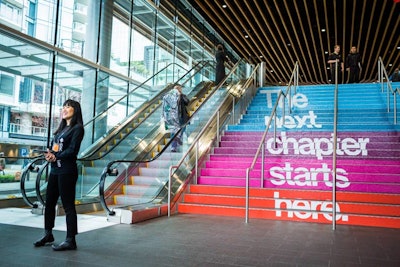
[[333, 73], [62, 185], [354, 75]]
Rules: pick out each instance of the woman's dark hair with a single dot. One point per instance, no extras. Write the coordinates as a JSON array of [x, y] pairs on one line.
[[76, 118], [220, 47]]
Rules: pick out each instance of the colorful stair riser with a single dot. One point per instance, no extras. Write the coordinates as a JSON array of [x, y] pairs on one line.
[[299, 205], [301, 159]]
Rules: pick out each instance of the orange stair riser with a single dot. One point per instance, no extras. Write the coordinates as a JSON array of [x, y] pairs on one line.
[[348, 208], [360, 220]]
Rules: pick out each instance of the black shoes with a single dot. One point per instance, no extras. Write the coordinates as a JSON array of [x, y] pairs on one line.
[[47, 238], [68, 244]]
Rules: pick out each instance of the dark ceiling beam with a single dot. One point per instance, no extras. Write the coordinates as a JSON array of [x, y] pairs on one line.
[[226, 29], [273, 55], [366, 48], [384, 47], [293, 46], [286, 31], [372, 62], [261, 26], [314, 62], [321, 65], [305, 68], [309, 61]]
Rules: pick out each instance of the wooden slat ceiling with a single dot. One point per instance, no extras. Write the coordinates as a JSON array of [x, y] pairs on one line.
[[281, 32]]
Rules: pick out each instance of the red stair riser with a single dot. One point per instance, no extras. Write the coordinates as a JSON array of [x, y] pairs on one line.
[[361, 220], [269, 203], [297, 194], [376, 187]]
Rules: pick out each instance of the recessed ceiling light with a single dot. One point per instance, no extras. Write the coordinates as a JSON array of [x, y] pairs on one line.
[[288, 44], [326, 52], [390, 64], [246, 36], [323, 30], [398, 47], [261, 56], [224, 6]]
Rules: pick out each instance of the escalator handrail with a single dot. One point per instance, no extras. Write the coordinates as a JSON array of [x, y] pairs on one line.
[[37, 184], [170, 141], [130, 92], [107, 170], [38, 177], [29, 167], [142, 109]]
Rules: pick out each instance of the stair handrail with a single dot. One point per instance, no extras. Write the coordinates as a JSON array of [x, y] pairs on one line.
[[111, 171], [195, 144], [261, 146], [383, 75]]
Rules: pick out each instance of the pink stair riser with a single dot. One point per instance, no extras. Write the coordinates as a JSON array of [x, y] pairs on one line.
[[374, 187]]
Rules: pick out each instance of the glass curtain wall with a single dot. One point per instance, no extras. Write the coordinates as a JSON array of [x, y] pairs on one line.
[[102, 53]]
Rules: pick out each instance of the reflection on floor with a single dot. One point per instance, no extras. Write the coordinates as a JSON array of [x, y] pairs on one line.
[[24, 217]]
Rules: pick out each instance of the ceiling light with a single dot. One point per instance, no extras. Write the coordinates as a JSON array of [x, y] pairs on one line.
[[326, 52], [398, 47], [224, 6], [390, 64], [323, 30], [246, 36], [288, 44]]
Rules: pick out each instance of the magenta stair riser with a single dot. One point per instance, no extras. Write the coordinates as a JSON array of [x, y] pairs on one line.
[[272, 152], [370, 166], [305, 175]]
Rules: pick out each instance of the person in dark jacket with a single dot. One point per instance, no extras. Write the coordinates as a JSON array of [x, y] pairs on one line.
[[395, 77], [334, 58], [221, 58], [175, 114], [353, 65], [63, 175]]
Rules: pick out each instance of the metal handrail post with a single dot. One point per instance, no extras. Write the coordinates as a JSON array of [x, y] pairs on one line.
[[297, 80], [334, 150], [218, 126], [169, 189], [380, 75], [395, 107], [247, 195], [233, 110], [388, 100], [275, 145], [290, 99], [283, 110], [196, 170], [262, 165]]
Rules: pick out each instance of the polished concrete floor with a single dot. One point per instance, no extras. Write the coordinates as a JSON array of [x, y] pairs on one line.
[[196, 240]]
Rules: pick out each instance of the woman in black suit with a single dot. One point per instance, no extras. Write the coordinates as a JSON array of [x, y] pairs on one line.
[[63, 175]]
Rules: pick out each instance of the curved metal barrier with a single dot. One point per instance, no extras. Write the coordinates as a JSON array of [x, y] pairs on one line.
[[32, 167]]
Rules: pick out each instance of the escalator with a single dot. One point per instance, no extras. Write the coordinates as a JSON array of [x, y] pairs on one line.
[[134, 154], [92, 160]]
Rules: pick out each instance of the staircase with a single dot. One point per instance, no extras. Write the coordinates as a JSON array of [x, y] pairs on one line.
[[297, 183]]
